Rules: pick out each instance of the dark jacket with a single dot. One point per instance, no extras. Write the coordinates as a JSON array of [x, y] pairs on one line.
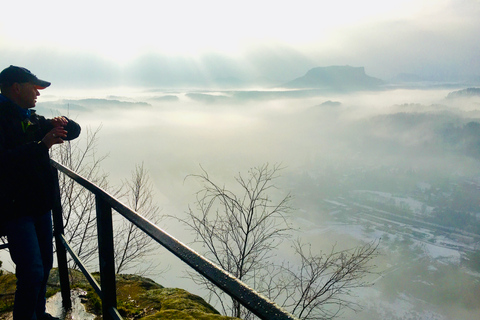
[[26, 177]]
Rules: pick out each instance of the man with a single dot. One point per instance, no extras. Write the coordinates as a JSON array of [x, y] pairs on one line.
[[27, 186]]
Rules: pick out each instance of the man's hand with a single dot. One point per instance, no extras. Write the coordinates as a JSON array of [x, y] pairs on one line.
[[59, 121], [55, 136]]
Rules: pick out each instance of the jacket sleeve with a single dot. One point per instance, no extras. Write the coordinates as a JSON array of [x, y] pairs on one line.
[[73, 130]]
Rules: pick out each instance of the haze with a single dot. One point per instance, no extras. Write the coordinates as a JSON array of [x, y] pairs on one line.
[[190, 85], [371, 146], [93, 43]]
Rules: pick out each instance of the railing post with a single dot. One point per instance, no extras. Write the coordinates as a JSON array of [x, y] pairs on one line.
[[106, 256], [61, 251]]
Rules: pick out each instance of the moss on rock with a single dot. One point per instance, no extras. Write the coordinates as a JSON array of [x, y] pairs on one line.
[[185, 315], [178, 299], [141, 298], [7, 291], [179, 304], [137, 297]]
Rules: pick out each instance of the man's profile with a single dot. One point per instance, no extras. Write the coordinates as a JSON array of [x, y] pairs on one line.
[[27, 186]]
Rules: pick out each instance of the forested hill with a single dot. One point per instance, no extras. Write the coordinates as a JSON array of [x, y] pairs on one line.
[[465, 93]]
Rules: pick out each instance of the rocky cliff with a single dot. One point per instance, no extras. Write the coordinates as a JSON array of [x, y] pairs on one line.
[[138, 298]]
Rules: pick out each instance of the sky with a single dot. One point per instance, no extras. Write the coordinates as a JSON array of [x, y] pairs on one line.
[[157, 42]]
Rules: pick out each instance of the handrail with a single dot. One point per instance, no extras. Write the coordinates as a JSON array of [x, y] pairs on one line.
[[249, 298]]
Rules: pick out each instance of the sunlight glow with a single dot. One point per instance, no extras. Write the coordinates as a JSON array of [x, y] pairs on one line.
[[124, 30]]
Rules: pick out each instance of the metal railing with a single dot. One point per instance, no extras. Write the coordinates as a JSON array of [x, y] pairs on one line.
[[253, 301]]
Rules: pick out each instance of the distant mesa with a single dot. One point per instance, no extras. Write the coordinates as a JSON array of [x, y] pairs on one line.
[[330, 103], [465, 93], [341, 78]]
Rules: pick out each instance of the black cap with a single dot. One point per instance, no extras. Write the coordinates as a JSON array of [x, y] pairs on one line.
[[14, 74]]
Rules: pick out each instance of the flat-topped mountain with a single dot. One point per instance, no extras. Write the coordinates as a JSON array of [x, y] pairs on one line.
[[335, 78]]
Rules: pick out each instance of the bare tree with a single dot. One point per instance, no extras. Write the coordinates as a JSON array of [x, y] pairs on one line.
[[320, 286], [131, 245], [78, 204], [241, 231]]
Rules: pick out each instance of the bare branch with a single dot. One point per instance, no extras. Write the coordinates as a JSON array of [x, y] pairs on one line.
[[240, 231], [131, 245]]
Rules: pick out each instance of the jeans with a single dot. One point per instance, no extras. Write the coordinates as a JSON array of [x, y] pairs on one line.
[[31, 249]]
